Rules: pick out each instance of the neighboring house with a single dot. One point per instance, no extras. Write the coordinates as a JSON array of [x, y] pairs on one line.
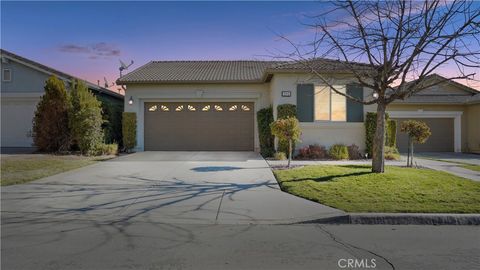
[[450, 109], [212, 105], [22, 85]]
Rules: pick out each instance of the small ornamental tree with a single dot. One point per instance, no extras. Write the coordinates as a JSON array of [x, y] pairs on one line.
[[85, 119], [418, 132], [50, 123], [287, 130]]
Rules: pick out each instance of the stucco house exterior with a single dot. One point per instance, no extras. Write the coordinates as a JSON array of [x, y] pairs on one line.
[[212, 105], [22, 85]]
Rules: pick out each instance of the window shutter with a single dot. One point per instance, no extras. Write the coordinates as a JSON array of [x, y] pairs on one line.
[[354, 109], [305, 101]]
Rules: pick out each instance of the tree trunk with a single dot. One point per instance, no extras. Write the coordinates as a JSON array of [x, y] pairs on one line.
[[289, 152], [378, 154], [408, 151], [411, 153]]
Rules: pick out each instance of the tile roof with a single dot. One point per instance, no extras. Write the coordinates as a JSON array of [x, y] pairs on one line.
[[241, 71], [198, 71]]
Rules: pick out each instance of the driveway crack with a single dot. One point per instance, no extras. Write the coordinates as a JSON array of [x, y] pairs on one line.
[[219, 206], [348, 246]]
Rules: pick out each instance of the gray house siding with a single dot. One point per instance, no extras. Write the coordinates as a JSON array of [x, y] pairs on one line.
[[24, 78]]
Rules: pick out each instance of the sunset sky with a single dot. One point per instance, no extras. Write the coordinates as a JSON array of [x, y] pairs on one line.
[[87, 39]]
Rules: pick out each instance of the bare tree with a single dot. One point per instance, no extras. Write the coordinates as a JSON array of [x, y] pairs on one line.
[[397, 41]]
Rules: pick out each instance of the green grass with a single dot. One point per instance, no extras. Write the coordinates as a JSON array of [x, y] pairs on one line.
[[18, 169], [471, 167], [408, 190]]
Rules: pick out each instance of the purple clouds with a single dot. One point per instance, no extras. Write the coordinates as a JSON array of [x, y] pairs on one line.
[[93, 51]]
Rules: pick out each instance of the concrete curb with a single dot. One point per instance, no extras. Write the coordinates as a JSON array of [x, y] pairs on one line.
[[400, 219]]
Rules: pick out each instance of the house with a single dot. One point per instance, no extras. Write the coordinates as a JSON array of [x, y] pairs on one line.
[[22, 85], [212, 105]]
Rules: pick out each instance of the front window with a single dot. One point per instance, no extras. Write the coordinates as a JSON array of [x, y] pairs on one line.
[[329, 105]]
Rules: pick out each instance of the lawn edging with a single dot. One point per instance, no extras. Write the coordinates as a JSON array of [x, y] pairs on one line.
[[400, 219]]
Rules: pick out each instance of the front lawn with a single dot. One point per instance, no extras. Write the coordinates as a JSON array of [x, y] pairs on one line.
[[17, 169], [354, 188]]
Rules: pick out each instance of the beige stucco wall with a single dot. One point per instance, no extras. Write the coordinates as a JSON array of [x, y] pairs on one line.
[[442, 107], [141, 93], [324, 133], [473, 124]]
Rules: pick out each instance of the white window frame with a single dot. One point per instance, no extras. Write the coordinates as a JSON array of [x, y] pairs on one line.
[[330, 104], [3, 75]]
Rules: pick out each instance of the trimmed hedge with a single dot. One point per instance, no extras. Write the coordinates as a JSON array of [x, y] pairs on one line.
[[285, 111], [391, 133], [370, 126], [267, 140], [129, 130]]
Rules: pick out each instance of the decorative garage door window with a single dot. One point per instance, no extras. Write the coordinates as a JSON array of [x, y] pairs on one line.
[[198, 107]]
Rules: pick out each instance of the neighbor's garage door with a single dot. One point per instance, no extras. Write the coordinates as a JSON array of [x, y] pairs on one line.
[[441, 139], [221, 126]]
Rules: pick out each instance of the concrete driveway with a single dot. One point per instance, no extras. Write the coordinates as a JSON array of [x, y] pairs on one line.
[[169, 187]]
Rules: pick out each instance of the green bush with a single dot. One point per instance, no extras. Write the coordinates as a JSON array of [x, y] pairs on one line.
[[371, 125], [50, 124], [129, 130], [267, 140], [391, 133], [285, 111], [338, 152], [112, 119], [85, 119], [107, 149], [280, 156], [391, 153]]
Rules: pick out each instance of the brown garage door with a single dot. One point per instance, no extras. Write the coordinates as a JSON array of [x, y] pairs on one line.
[[182, 126], [441, 139]]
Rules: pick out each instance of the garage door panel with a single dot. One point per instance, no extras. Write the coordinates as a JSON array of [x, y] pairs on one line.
[[441, 140], [193, 129]]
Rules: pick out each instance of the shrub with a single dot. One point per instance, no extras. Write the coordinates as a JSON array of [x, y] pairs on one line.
[[112, 119], [280, 156], [391, 153], [129, 130], [85, 119], [312, 152], [287, 130], [50, 124], [354, 152], [267, 140], [285, 111], [338, 152], [371, 125], [107, 149], [391, 133]]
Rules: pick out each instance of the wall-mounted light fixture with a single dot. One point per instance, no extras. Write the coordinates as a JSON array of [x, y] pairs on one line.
[[130, 101], [375, 95]]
